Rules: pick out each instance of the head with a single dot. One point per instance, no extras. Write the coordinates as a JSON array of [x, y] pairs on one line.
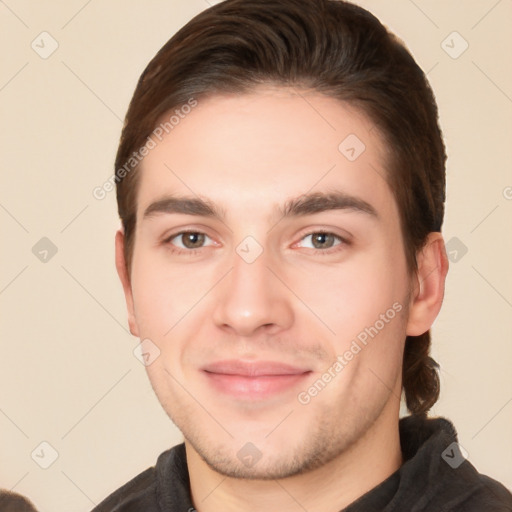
[[13, 502], [282, 120]]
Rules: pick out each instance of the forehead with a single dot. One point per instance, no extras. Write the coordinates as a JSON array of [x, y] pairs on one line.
[[263, 147]]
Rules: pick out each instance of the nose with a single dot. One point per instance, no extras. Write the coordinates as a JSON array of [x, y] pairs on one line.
[[252, 299]]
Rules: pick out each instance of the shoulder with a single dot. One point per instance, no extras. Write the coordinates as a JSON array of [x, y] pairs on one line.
[[132, 495], [437, 470], [140, 493], [489, 495]]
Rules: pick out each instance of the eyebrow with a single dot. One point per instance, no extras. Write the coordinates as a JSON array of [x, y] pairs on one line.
[[306, 204]]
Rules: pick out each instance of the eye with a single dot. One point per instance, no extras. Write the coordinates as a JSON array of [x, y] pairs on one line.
[[189, 242], [186, 241], [322, 241]]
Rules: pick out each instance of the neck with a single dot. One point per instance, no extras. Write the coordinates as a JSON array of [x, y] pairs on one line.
[[334, 486]]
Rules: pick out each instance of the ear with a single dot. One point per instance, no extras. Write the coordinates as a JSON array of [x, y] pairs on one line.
[[122, 272], [428, 287]]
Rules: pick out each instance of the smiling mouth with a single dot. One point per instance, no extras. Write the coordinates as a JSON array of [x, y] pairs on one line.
[[253, 380]]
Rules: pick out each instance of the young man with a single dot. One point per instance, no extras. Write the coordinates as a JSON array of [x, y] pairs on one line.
[[281, 185]]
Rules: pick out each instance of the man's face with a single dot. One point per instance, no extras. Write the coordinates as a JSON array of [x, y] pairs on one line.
[[255, 307]]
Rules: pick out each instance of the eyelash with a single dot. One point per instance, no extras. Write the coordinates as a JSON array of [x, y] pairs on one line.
[[192, 252]]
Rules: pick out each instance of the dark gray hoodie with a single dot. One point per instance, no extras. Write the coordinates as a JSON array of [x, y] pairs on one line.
[[435, 477]]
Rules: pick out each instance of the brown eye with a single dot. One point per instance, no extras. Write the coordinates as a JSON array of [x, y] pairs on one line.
[[187, 242], [192, 240], [323, 240]]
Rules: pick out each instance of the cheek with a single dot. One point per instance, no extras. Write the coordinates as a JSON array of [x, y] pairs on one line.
[[352, 295], [163, 294], [376, 317]]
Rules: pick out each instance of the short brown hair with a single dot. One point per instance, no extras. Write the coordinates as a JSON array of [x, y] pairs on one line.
[[337, 49]]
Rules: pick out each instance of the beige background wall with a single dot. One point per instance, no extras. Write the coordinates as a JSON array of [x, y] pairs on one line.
[[67, 373]]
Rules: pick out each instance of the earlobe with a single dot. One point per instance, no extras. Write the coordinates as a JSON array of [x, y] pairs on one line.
[[122, 272], [429, 287]]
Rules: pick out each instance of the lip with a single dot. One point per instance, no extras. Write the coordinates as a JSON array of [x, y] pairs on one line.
[[253, 380]]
